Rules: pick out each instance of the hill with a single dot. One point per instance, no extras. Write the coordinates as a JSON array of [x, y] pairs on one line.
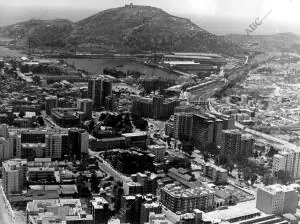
[[39, 33], [125, 29], [145, 28], [281, 42]]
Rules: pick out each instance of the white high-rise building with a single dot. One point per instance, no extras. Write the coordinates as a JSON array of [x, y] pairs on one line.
[[84, 142], [14, 175], [277, 199], [288, 161]]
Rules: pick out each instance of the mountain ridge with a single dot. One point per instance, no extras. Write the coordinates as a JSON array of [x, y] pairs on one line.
[[128, 29]]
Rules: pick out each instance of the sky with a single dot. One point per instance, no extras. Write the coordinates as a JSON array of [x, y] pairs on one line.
[[210, 11]]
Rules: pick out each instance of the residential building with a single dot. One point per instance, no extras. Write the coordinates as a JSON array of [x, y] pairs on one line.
[[217, 174], [147, 208], [14, 175], [37, 143], [157, 107], [5, 152], [65, 117], [51, 102], [203, 130], [277, 199], [98, 89], [183, 125], [158, 151], [59, 211], [106, 143], [4, 131], [100, 210], [180, 199], [287, 160], [235, 143], [78, 141], [85, 105], [136, 139]]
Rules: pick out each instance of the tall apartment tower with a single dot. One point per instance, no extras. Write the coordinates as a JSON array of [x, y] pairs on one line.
[[51, 102], [237, 144], [183, 125], [288, 161], [247, 145], [14, 175], [4, 131], [85, 105], [100, 210], [78, 141], [203, 131], [231, 141], [53, 145], [157, 106], [98, 89]]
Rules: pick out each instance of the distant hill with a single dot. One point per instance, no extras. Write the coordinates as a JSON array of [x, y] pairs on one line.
[[281, 42], [39, 33], [124, 29]]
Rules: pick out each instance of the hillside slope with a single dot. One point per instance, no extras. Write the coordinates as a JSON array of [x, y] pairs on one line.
[[145, 28], [39, 33], [125, 29], [281, 42]]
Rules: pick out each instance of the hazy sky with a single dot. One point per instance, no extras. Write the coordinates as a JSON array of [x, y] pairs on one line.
[[279, 10]]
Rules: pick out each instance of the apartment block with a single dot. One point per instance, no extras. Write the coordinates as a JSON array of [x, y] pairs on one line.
[[217, 174], [236, 144], [287, 160], [100, 210], [178, 198], [14, 175], [58, 211], [277, 199], [158, 151]]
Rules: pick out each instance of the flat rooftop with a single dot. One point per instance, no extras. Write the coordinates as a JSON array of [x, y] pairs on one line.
[[177, 190], [135, 134]]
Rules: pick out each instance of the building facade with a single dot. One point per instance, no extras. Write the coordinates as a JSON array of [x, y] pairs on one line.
[[179, 199], [14, 175], [277, 199]]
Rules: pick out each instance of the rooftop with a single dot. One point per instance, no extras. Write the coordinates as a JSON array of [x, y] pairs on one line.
[[98, 202], [13, 164], [273, 189], [177, 190], [135, 134]]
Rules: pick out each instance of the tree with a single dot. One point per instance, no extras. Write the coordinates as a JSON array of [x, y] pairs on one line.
[[255, 154], [272, 151], [21, 114], [268, 179], [253, 178], [284, 177]]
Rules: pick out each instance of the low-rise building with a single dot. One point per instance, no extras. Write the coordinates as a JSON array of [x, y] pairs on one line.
[[217, 174], [59, 211]]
